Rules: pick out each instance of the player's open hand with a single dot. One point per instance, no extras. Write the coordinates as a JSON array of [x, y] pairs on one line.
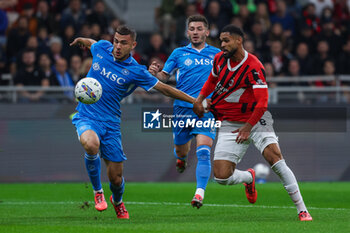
[[154, 68], [78, 41], [243, 133]]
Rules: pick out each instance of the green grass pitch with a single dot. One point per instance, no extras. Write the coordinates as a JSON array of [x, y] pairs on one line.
[[164, 207]]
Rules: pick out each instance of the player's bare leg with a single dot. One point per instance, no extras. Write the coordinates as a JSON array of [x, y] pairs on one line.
[[180, 153], [91, 144], [273, 156], [203, 169], [116, 179], [225, 173]]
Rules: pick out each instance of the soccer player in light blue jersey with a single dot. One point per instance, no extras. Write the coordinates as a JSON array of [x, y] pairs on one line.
[[98, 124], [191, 65]]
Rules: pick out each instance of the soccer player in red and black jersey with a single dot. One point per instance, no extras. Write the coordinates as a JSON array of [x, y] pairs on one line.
[[239, 101]]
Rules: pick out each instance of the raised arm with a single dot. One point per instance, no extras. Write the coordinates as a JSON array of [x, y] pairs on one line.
[[173, 92], [83, 42]]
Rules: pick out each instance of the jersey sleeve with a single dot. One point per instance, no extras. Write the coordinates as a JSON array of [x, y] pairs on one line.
[[145, 79], [101, 44], [215, 69], [257, 78], [171, 63], [209, 85]]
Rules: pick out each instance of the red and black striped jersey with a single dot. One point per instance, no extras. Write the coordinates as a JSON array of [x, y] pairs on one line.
[[237, 87]]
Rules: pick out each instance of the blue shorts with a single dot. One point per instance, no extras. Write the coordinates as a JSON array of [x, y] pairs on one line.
[[184, 134], [109, 134]]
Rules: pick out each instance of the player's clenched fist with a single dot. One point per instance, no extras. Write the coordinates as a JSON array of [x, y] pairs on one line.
[[154, 68], [198, 108], [201, 106]]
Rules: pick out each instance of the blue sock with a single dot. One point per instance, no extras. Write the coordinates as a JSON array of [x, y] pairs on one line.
[[181, 158], [203, 166], [93, 167], [117, 191]]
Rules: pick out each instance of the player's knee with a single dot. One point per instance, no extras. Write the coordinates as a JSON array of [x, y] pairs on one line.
[[274, 158], [220, 174], [203, 153], [90, 145], [116, 180], [272, 154]]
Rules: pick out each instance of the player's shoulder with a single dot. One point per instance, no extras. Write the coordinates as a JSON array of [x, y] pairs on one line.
[[180, 50], [136, 67], [219, 55], [254, 62], [135, 64], [214, 49], [104, 44]]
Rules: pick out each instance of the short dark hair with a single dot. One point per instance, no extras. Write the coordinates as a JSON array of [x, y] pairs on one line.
[[198, 18], [125, 30], [28, 50], [232, 29]]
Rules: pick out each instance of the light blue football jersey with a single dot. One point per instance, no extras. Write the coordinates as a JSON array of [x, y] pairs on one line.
[[191, 68], [118, 79]]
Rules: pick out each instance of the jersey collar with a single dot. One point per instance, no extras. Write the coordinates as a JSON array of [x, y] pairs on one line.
[[236, 67], [190, 47]]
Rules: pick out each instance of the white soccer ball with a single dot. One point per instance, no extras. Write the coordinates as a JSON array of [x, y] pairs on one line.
[[205, 105], [262, 171], [88, 91]]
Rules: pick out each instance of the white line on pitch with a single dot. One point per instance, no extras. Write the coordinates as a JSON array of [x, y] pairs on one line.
[[161, 203]]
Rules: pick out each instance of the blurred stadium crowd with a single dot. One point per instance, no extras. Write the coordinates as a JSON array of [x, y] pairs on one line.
[[291, 37]]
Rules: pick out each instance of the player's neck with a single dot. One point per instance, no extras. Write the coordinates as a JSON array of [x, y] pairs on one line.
[[122, 59], [238, 56], [198, 47]]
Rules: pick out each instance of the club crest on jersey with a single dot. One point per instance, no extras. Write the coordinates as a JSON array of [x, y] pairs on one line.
[[188, 62], [96, 66], [125, 72]]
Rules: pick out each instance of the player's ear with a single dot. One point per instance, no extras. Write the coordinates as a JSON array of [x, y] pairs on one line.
[[207, 32], [134, 44], [239, 40]]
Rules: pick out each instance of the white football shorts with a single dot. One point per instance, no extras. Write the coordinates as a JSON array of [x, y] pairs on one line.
[[261, 135]]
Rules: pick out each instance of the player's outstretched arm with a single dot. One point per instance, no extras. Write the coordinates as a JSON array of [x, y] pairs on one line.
[[83, 42], [173, 92], [154, 70]]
